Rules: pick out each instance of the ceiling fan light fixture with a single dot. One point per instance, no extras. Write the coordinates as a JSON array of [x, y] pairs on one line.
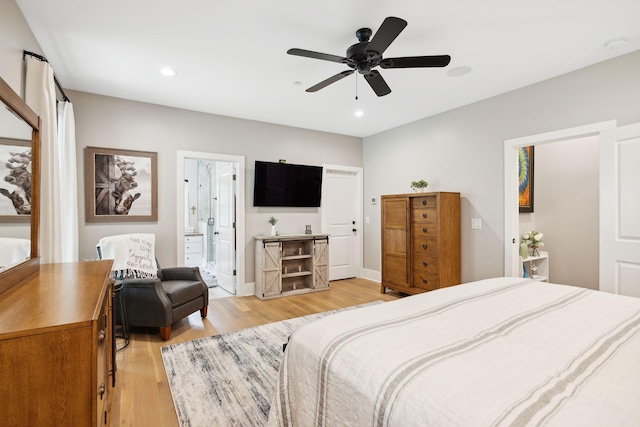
[[616, 43], [368, 54], [168, 72], [459, 71]]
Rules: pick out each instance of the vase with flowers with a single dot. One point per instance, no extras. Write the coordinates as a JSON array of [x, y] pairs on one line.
[[533, 239], [273, 220]]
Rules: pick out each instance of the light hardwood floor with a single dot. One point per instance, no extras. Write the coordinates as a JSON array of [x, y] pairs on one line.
[[141, 396]]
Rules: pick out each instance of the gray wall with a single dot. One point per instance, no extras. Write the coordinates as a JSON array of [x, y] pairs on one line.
[[116, 123], [566, 209], [462, 150], [15, 37]]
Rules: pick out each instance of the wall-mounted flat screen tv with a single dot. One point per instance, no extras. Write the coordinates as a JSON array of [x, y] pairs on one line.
[[285, 184]]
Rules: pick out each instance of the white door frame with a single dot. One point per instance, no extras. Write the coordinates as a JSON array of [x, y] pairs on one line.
[[240, 211], [359, 201], [511, 211]]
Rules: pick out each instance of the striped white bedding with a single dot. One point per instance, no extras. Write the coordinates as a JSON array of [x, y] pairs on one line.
[[497, 352]]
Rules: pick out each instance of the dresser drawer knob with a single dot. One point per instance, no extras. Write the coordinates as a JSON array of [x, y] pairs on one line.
[[424, 280], [424, 215], [425, 263], [424, 202], [101, 336], [424, 229], [424, 246]]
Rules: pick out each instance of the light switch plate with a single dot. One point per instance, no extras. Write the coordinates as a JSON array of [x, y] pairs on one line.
[[476, 223]]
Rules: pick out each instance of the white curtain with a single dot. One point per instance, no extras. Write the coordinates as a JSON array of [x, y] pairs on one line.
[[67, 192], [58, 183]]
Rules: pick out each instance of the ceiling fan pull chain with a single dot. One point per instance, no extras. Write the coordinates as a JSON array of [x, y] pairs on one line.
[[356, 74]]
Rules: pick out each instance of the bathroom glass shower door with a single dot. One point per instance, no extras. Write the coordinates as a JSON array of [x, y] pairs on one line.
[[206, 209]]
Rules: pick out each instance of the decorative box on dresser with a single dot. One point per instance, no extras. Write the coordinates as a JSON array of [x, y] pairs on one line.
[[420, 241], [57, 365], [291, 264]]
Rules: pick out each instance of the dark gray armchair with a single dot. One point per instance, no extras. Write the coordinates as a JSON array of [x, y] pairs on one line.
[[175, 294]]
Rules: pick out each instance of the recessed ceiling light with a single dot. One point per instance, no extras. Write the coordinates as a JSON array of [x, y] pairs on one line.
[[359, 113], [459, 71], [615, 43], [297, 83], [169, 72]]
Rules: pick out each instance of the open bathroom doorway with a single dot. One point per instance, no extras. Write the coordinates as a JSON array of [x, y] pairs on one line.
[[211, 218]]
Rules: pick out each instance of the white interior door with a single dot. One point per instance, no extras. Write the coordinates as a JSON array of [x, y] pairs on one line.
[[225, 230], [342, 220], [620, 211]]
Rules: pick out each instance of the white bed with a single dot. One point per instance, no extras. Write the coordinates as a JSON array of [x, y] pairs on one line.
[[497, 352]]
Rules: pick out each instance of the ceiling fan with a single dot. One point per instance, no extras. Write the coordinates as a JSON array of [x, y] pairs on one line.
[[366, 55]]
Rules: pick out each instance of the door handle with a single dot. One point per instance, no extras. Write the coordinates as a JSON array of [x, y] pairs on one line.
[[354, 230]]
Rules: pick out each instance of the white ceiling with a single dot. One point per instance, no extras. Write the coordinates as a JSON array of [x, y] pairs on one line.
[[231, 55]]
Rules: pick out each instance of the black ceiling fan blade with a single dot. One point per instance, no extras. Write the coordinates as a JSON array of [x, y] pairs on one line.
[[317, 55], [416, 61], [377, 83], [330, 80], [390, 29]]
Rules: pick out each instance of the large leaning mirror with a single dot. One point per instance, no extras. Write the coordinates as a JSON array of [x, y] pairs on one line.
[[19, 184]]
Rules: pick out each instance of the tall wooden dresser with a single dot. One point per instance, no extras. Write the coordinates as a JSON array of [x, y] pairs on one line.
[[420, 241], [56, 347]]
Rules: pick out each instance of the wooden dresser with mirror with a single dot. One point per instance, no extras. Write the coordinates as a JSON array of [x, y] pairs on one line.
[[57, 364]]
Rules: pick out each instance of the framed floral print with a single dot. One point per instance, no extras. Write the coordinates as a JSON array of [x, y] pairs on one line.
[[525, 179]]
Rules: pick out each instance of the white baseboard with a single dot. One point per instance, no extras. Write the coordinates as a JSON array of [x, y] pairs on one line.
[[372, 275], [247, 289]]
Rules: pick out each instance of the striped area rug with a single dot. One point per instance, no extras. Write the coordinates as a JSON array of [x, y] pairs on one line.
[[228, 379]]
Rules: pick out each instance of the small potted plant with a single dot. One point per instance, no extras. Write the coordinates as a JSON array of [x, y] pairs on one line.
[[419, 185], [273, 221]]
